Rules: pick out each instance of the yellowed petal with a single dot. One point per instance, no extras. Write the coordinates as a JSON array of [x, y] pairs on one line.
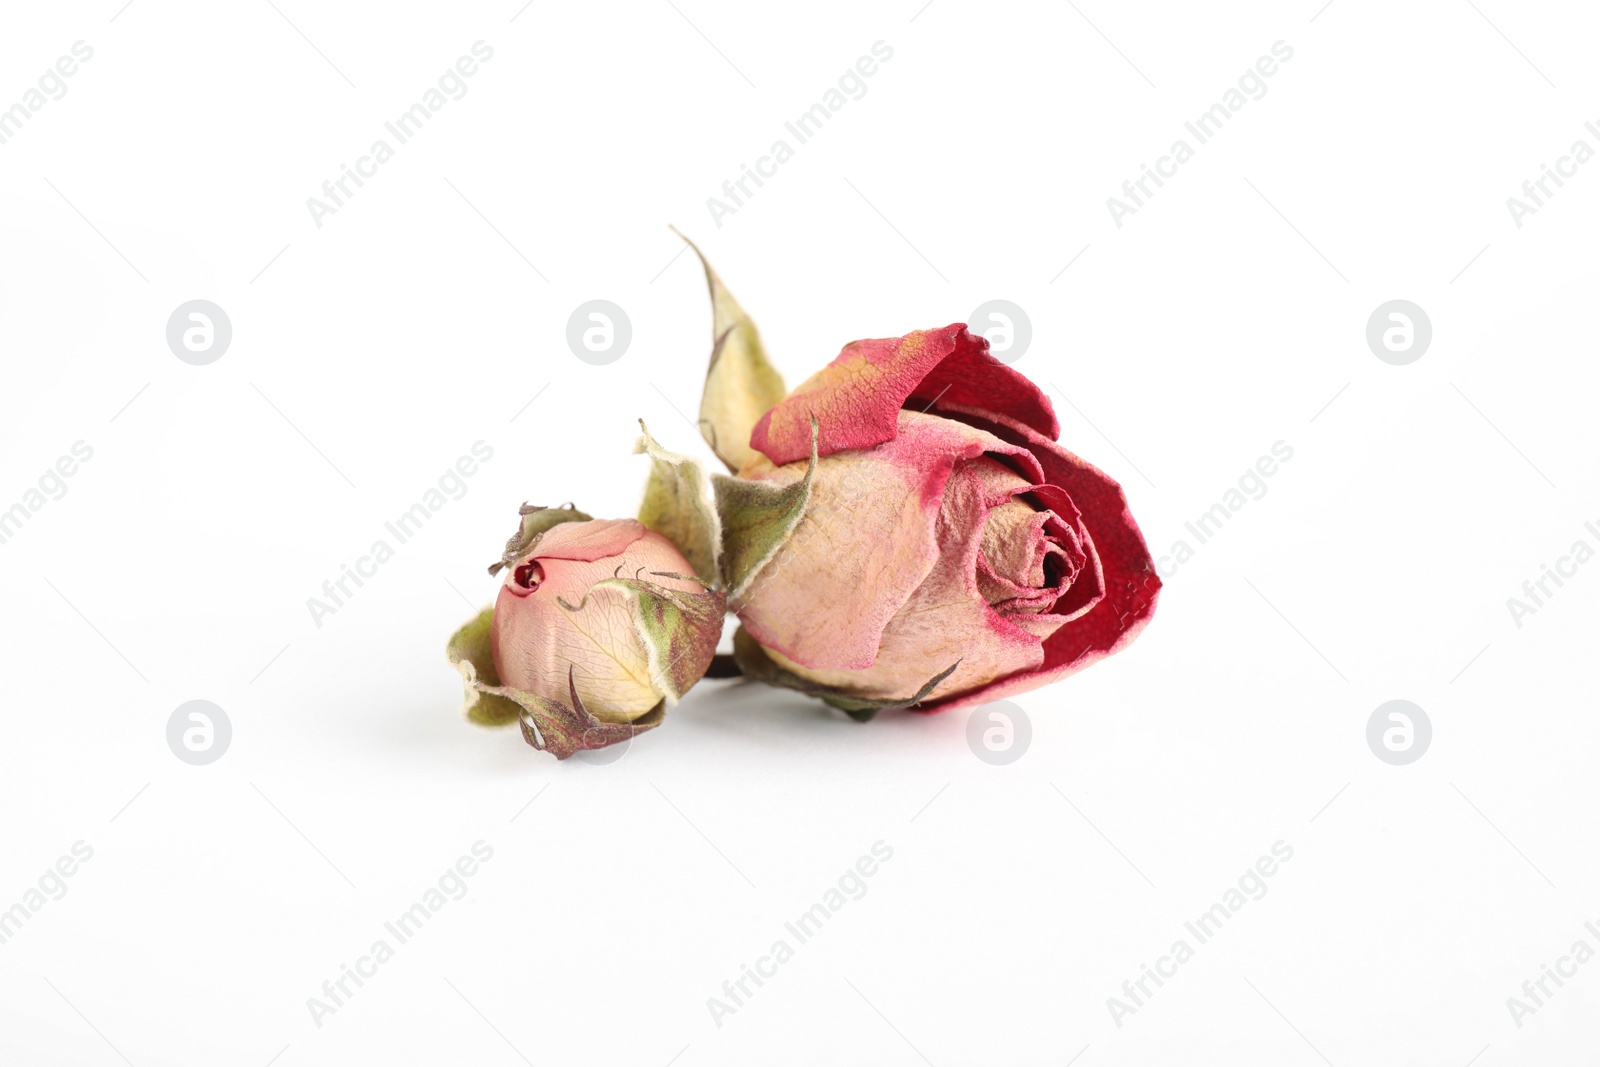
[[741, 384]]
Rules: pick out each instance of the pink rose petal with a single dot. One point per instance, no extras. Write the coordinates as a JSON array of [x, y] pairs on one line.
[[588, 541], [946, 618]]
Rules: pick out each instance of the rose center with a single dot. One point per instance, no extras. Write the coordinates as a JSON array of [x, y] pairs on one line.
[[528, 575], [1054, 569]]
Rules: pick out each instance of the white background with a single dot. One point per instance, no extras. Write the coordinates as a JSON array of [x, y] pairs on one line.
[[368, 354]]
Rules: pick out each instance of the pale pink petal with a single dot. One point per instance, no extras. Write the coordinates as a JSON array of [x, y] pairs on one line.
[[945, 620], [866, 542], [589, 541], [536, 641]]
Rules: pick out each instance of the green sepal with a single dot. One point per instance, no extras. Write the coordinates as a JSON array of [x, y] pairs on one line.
[[469, 652], [757, 519], [677, 505]]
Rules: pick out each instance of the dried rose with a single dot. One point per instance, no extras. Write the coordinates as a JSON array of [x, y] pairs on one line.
[[904, 528], [944, 528]]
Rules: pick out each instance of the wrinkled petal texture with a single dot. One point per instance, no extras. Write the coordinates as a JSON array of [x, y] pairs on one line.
[[867, 541], [946, 618], [535, 639], [857, 398]]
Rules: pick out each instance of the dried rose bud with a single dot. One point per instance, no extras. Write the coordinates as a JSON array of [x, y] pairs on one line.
[[599, 625], [569, 605]]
